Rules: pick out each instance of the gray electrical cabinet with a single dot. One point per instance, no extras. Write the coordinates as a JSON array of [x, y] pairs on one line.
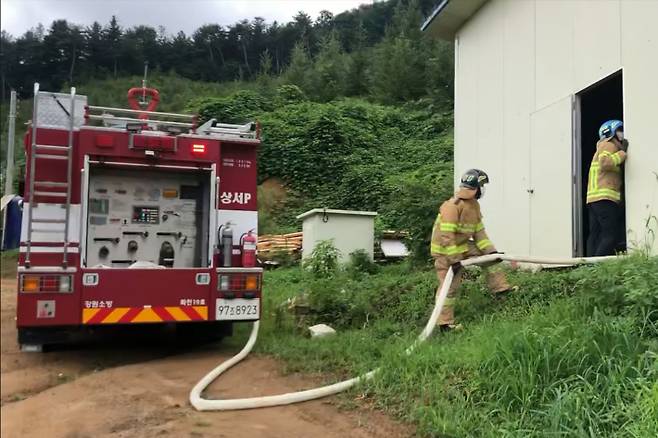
[[349, 230]]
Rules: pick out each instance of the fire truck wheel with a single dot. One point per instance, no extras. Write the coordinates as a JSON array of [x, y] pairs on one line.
[[39, 338]]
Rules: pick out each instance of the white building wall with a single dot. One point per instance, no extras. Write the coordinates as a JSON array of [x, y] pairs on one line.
[[639, 56], [518, 66]]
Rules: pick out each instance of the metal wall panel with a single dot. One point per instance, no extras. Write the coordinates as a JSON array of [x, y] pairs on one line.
[[640, 60], [479, 115], [490, 100], [596, 40], [518, 103], [466, 96], [554, 56], [550, 168]]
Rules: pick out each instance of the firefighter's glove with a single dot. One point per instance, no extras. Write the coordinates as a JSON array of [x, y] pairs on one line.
[[456, 267]]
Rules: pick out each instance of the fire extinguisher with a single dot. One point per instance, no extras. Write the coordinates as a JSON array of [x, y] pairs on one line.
[[248, 249]]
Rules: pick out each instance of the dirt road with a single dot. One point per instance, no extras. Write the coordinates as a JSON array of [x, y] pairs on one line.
[[142, 390]]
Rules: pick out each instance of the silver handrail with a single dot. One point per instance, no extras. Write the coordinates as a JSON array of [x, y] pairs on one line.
[[33, 152], [69, 169], [108, 117], [150, 113]]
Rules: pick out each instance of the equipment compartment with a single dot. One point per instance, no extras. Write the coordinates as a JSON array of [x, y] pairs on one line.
[[154, 216]]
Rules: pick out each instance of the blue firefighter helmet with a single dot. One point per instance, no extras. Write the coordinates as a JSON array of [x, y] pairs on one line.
[[608, 129]]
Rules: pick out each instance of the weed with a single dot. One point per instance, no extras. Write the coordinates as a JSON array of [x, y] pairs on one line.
[[17, 397], [360, 263], [323, 261]]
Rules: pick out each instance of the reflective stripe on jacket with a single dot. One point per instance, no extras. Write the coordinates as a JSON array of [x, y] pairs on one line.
[[605, 172], [458, 221]]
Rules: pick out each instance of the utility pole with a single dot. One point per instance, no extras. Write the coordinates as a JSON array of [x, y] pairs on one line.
[[9, 173]]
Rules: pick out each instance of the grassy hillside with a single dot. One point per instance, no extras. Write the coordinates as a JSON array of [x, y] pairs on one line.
[[573, 353], [348, 153]]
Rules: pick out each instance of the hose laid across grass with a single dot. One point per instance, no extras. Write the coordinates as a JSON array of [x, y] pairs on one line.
[[202, 404]]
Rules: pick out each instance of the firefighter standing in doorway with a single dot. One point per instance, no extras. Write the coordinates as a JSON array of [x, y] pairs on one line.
[[604, 190], [458, 234]]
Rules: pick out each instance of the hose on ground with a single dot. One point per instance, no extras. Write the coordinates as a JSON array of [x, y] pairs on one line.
[[202, 404]]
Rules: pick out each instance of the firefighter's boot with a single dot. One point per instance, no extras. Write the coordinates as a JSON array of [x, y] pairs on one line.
[[497, 283]]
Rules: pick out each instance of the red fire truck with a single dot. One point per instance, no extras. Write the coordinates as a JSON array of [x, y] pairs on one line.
[[134, 216]]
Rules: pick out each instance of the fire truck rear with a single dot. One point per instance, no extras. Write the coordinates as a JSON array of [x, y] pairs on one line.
[[135, 217]]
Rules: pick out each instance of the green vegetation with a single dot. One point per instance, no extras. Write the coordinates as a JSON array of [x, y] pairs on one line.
[[349, 154], [8, 260], [572, 353]]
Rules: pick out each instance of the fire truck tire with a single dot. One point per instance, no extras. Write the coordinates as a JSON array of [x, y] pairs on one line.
[[39, 338], [201, 404]]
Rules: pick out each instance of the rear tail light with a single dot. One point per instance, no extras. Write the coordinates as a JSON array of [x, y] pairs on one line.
[[251, 282], [239, 281], [65, 283], [46, 283], [30, 283]]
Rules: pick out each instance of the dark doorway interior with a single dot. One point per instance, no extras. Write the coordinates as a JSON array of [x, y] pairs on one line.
[[597, 103]]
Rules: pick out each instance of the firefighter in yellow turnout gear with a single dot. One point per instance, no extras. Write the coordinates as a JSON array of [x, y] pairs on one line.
[[458, 234], [604, 190]]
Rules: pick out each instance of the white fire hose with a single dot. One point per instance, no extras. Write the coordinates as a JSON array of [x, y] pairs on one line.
[[202, 404]]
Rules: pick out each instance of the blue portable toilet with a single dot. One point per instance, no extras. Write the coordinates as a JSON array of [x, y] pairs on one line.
[[11, 234]]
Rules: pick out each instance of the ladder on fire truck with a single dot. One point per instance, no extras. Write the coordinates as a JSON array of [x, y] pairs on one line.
[[49, 189]]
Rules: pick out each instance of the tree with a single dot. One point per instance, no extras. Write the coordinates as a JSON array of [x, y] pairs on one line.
[[324, 24], [303, 27], [61, 47], [399, 69], [138, 45], [357, 74], [440, 73], [330, 71], [95, 50], [298, 70], [242, 32], [113, 35], [264, 79]]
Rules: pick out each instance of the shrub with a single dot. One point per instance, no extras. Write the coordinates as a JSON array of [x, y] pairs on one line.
[[240, 107], [289, 94], [360, 263], [323, 261]]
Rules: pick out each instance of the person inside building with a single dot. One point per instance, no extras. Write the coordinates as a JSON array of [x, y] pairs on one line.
[[459, 234], [604, 190]]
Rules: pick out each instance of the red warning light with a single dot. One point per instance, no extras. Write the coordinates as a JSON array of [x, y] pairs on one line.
[[198, 148]]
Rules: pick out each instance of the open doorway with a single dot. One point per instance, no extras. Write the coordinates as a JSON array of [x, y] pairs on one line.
[[594, 105]]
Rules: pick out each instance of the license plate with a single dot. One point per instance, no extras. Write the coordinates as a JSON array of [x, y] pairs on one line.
[[237, 309]]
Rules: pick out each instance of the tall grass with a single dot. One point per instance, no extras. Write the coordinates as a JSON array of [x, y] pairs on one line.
[[573, 353]]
